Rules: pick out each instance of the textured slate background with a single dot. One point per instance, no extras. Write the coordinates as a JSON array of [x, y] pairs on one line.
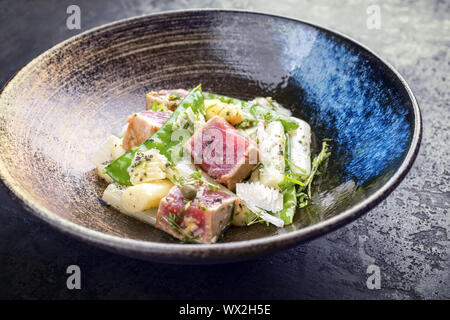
[[407, 235]]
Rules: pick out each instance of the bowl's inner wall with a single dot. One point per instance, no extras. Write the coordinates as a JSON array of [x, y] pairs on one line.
[[57, 114]]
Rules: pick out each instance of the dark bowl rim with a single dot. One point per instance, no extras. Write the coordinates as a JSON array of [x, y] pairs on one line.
[[225, 250]]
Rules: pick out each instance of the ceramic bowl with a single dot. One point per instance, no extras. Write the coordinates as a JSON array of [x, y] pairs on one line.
[[57, 110]]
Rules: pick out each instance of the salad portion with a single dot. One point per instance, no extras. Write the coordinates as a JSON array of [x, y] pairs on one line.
[[193, 163]]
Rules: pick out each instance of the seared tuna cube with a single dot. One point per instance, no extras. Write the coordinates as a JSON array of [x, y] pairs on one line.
[[201, 219], [223, 152], [142, 126], [168, 98]]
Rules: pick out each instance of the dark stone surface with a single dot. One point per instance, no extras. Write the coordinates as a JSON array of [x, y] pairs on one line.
[[407, 235]]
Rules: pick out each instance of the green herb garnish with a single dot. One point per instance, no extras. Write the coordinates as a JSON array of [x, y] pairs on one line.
[[317, 161], [212, 187], [197, 175], [158, 107], [174, 96]]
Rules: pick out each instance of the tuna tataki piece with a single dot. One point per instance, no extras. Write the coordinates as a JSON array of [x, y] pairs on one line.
[[201, 220], [142, 126], [223, 152]]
